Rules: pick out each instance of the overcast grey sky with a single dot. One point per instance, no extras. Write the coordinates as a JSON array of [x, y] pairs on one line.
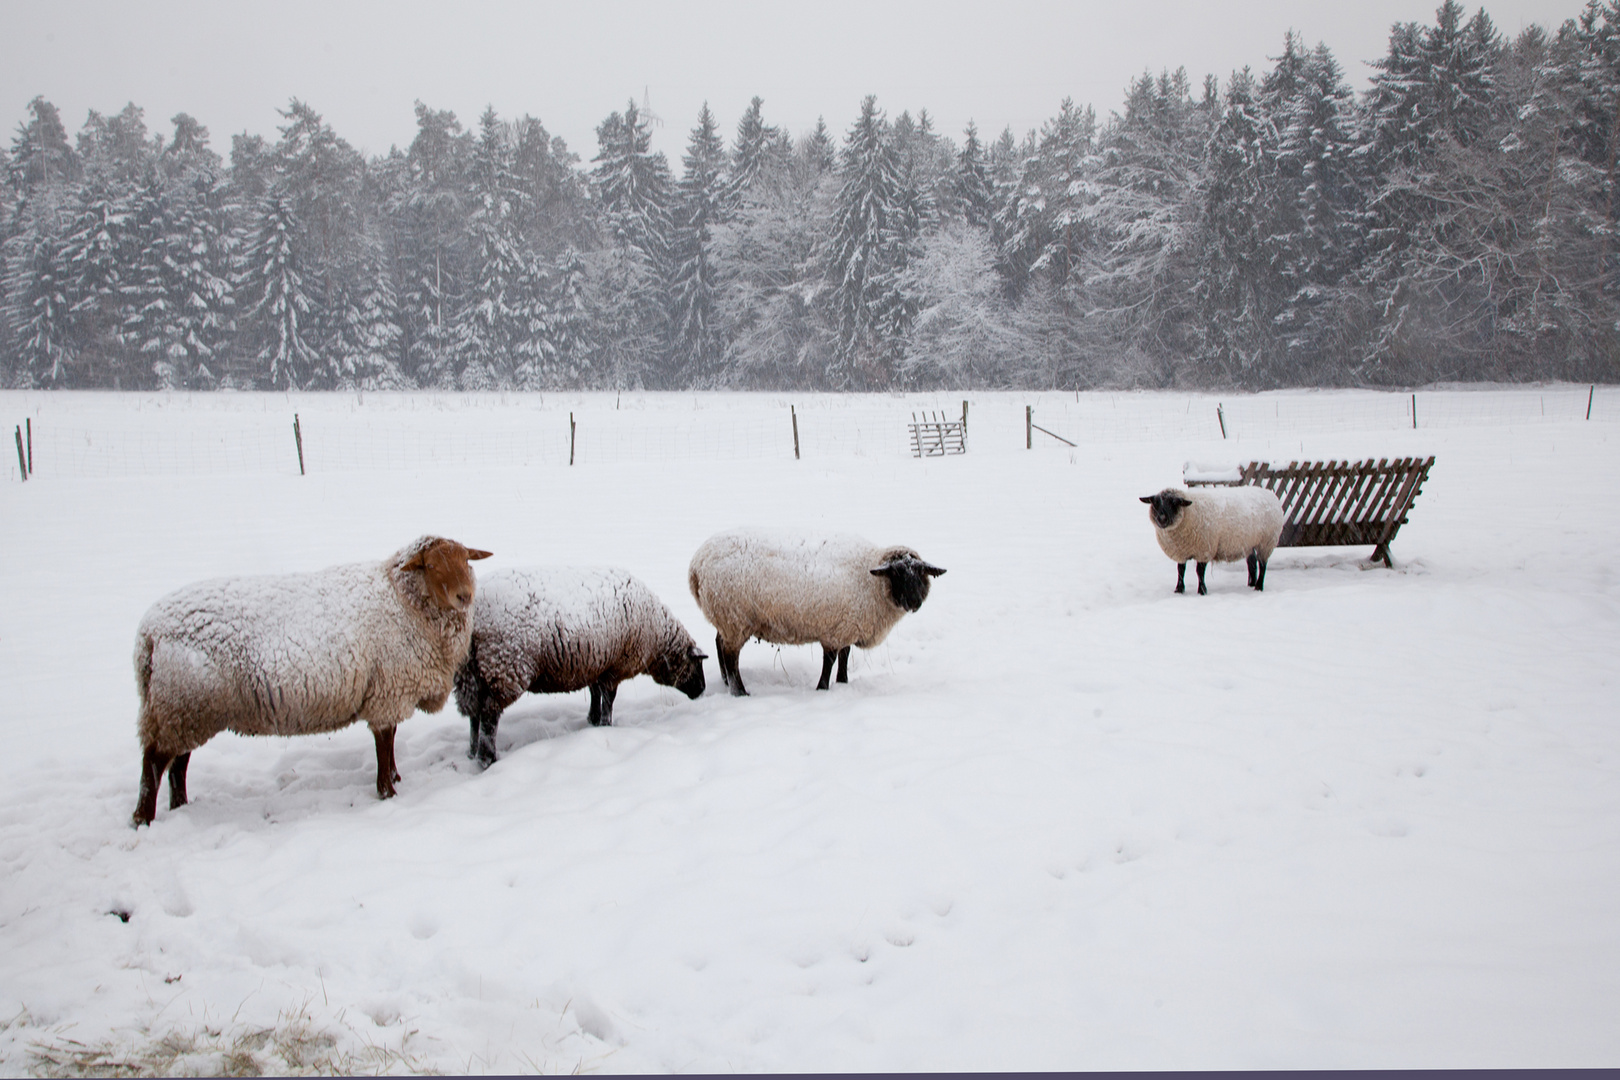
[[362, 65]]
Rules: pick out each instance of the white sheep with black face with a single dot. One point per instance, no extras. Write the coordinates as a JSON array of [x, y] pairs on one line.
[[790, 589], [1210, 524], [296, 654], [556, 629]]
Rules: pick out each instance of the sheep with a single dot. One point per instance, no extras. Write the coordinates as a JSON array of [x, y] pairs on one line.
[[558, 629], [795, 590], [299, 654], [1224, 523]]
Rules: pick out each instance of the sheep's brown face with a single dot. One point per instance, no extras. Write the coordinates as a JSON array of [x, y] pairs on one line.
[[446, 575], [1164, 509], [908, 577]]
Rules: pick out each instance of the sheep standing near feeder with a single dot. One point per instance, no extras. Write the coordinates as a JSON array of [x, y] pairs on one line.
[[1213, 524]]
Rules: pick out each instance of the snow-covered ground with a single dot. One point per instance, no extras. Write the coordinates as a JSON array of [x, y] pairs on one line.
[[1062, 819]]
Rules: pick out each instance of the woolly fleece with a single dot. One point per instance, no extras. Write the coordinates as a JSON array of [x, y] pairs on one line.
[[295, 654], [558, 629], [1223, 524], [795, 590]]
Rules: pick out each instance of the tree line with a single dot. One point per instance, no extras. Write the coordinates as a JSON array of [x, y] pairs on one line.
[[1454, 222]]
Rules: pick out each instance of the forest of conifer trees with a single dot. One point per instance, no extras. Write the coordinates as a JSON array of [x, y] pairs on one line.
[[1454, 222]]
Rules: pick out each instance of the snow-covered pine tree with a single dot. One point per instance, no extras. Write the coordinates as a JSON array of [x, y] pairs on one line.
[[277, 302], [819, 148], [367, 347], [101, 253], [1315, 210], [1431, 102], [180, 298], [427, 208], [701, 201], [632, 185], [493, 318], [572, 326], [1144, 214], [971, 186], [864, 255], [750, 154], [1237, 288], [36, 308], [181, 304], [41, 169]]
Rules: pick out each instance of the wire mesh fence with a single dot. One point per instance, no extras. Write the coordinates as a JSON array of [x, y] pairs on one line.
[[96, 434]]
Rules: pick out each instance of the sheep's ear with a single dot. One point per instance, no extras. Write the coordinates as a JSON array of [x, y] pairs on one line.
[[881, 571], [1182, 500], [416, 562], [474, 553], [696, 653], [931, 570], [1147, 499]]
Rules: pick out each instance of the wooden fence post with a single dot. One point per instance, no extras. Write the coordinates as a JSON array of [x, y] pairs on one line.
[[1589, 394], [1414, 412], [298, 437], [964, 419], [1220, 415], [795, 415], [571, 437], [28, 427], [22, 462], [1029, 427]]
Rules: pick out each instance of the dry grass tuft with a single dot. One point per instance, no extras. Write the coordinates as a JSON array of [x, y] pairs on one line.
[[294, 1047]]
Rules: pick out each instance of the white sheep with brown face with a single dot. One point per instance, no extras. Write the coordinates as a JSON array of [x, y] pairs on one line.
[[1210, 524], [556, 629], [296, 654], [835, 591]]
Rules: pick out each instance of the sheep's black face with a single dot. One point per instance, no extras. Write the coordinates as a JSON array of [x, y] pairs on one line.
[[682, 671], [1165, 507], [908, 578]]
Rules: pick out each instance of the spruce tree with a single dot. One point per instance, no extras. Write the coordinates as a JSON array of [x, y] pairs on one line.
[[700, 202], [864, 255], [279, 304], [632, 185]]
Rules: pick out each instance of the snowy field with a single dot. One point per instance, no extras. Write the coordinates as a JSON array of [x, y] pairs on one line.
[[1062, 819]]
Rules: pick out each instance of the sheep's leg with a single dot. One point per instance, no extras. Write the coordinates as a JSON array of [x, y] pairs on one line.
[[720, 651], [152, 766], [1181, 577], [843, 664], [1201, 589], [387, 770], [728, 662], [483, 736], [177, 780], [1260, 578], [827, 658], [602, 695], [1254, 558]]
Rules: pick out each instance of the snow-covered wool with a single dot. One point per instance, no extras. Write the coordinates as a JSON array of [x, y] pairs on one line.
[[1209, 524], [297, 654], [782, 587], [552, 630]]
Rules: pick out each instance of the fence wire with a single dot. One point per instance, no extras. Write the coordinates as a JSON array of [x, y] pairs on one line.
[[93, 434]]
